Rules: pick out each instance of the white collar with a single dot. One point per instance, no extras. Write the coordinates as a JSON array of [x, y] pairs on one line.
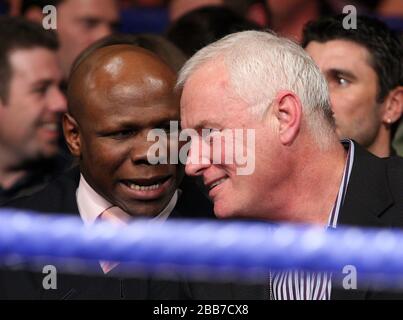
[[91, 204]]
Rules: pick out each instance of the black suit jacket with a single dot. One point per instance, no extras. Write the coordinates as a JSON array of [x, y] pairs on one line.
[[59, 197], [374, 198]]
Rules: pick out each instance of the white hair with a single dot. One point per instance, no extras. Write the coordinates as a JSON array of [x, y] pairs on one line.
[[260, 64]]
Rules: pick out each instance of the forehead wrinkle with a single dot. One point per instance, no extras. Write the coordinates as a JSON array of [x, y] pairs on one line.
[[139, 88]]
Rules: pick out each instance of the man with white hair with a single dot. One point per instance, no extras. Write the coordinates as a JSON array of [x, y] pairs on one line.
[[302, 172]]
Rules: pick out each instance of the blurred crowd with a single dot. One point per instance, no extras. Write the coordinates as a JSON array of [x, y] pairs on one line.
[[285, 17]]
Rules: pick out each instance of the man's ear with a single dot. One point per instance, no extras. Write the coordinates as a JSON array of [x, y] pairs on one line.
[[257, 14], [393, 106], [72, 134], [288, 111], [34, 13], [3, 102]]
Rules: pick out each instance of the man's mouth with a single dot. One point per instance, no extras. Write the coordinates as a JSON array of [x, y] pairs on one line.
[[215, 183], [143, 188], [51, 126], [148, 188], [50, 129], [146, 183]]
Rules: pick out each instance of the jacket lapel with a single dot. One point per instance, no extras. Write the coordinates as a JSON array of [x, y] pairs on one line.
[[368, 196]]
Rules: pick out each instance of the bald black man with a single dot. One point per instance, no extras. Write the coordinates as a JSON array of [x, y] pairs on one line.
[[116, 95]]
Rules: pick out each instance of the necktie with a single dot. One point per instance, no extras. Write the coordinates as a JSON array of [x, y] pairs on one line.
[[116, 216]]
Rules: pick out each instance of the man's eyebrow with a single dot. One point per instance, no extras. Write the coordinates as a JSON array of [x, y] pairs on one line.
[[109, 128], [138, 124], [339, 71], [42, 82], [89, 18], [95, 19], [162, 123]]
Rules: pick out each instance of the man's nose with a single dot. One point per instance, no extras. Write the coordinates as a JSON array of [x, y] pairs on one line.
[[197, 161], [57, 101], [140, 152], [103, 30]]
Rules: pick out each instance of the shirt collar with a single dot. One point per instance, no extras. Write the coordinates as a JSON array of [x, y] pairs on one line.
[[91, 204]]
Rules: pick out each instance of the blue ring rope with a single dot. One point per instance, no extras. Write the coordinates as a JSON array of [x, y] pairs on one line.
[[244, 247]]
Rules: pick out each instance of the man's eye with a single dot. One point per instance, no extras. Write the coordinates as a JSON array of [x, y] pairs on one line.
[[211, 133], [342, 82], [40, 90], [89, 24], [173, 130], [123, 134], [214, 131], [167, 129]]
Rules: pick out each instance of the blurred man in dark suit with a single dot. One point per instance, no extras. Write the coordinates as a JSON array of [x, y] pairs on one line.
[[31, 106]]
